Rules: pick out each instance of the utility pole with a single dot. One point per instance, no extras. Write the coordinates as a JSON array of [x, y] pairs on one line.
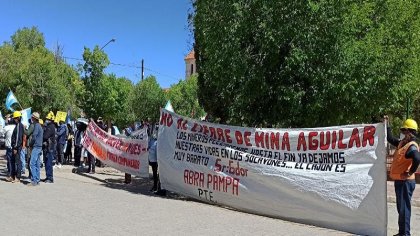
[[142, 69]]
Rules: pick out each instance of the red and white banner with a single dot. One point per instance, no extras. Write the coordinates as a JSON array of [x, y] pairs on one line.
[[333, 177], [126, 155]]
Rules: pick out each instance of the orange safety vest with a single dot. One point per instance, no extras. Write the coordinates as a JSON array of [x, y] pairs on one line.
[[400, 164]]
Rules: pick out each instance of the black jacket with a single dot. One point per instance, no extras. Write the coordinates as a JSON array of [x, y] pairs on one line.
[[49, 135], [17, 137]]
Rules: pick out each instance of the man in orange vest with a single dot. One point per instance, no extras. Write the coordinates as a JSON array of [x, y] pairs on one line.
[[404, 165]]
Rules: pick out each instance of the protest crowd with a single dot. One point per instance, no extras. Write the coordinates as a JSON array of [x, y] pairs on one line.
[[33, 143], [52, 143]]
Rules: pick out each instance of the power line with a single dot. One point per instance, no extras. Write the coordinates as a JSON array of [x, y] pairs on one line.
[[130, 66]]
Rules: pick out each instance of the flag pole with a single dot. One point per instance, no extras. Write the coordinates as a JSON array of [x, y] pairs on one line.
[[20, 106]]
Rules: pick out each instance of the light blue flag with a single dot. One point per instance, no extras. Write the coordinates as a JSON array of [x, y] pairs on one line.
[[26, 115], [2, 122], [169, 107], [68, 118], [10, 100]]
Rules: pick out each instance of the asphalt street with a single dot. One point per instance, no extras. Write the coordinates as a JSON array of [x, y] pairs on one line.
[[101, 204]]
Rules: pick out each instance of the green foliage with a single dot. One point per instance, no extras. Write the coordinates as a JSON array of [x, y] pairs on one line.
[[184, 99], [106, 95], [36, 78], [28, 38], [98, 86], [123, 115], [147, 99], [306, 63]]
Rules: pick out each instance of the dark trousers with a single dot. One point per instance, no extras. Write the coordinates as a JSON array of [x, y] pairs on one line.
[[49, 165], [16, 164], [77, 155], [92, 161], [156, 184], [403, 192], [9, 156], [67, 153], [60, 153]]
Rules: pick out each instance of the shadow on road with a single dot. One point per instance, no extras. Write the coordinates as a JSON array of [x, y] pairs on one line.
[[137, 185]]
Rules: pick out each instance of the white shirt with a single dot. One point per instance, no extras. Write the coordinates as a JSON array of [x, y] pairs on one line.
[[8, 131], [152, 150]]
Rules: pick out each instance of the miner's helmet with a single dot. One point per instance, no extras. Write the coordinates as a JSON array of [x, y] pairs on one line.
[[17, 114], [50, 116], [410, 125]]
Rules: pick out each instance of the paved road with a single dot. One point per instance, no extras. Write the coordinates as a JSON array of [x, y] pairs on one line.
[[101, 204]]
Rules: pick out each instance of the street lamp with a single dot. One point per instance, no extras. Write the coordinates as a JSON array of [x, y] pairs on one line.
[[112, 40]]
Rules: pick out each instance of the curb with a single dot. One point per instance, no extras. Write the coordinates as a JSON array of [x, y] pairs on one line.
[[414, 202]]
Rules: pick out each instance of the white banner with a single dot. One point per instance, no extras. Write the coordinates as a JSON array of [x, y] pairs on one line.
[[126, 155], [332, 177]]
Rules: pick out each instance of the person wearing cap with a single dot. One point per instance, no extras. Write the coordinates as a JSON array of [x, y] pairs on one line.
[[101, 124], [17, 142], [36, 147], [49, 140], [404, 164]]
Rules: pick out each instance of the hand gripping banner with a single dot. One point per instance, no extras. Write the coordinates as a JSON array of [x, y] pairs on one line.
[[333, 177]]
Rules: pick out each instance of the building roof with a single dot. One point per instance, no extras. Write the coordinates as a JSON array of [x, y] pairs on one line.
[[190, 55]]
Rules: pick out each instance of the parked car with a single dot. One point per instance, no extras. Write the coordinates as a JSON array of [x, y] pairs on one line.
[[2, 138]]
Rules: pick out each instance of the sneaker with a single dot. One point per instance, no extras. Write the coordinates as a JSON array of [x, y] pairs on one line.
[[33, 184], [59, 166], [9, 179], [48, 181], [16, 180], [92, 172]]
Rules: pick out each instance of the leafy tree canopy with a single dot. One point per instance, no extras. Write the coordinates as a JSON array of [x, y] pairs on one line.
[[306, 63]]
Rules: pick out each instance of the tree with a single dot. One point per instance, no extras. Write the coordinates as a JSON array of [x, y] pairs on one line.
[[28, 38], [305, 64], [37, 79], [184, 99], [97, 85], [120, 109], [147, 99]]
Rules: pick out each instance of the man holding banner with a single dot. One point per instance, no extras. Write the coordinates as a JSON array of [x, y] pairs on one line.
[[404, 165]]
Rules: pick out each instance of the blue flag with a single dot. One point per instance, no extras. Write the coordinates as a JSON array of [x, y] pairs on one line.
[[2, 122], [26, 115], [10, 100], [68, 118]]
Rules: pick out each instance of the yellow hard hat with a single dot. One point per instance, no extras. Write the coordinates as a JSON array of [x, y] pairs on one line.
[[41, 121], [17, 114], [410, 124], [50, 116]]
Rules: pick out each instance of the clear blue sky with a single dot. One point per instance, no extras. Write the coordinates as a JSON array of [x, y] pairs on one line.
[[156, 31]]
